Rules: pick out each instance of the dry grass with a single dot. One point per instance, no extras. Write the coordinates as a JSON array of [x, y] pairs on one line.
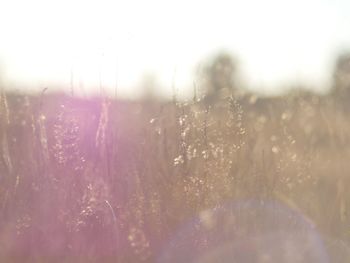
[[110, 181]]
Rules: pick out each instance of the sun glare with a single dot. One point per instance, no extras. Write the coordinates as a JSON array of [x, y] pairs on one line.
[[114, 43]]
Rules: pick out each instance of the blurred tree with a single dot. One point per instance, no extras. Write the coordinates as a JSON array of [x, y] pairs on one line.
[[341, 75], [219, 77], [150, 87]]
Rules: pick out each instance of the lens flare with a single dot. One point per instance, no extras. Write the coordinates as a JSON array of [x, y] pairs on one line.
[[247, 231]]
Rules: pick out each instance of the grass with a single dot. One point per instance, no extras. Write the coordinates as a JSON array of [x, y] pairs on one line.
[[99, 180]]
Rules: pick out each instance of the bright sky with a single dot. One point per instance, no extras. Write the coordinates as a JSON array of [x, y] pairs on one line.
[[111, 42]]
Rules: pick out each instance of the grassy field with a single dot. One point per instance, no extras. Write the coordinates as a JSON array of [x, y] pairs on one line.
[[100, 180]]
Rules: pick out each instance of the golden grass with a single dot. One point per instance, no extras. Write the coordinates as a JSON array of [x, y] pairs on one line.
[[111, 181]]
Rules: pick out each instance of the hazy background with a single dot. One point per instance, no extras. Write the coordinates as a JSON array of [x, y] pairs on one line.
[[160, 180], [89, 44]]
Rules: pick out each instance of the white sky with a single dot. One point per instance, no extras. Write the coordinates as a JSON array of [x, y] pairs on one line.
[[276, 41]]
